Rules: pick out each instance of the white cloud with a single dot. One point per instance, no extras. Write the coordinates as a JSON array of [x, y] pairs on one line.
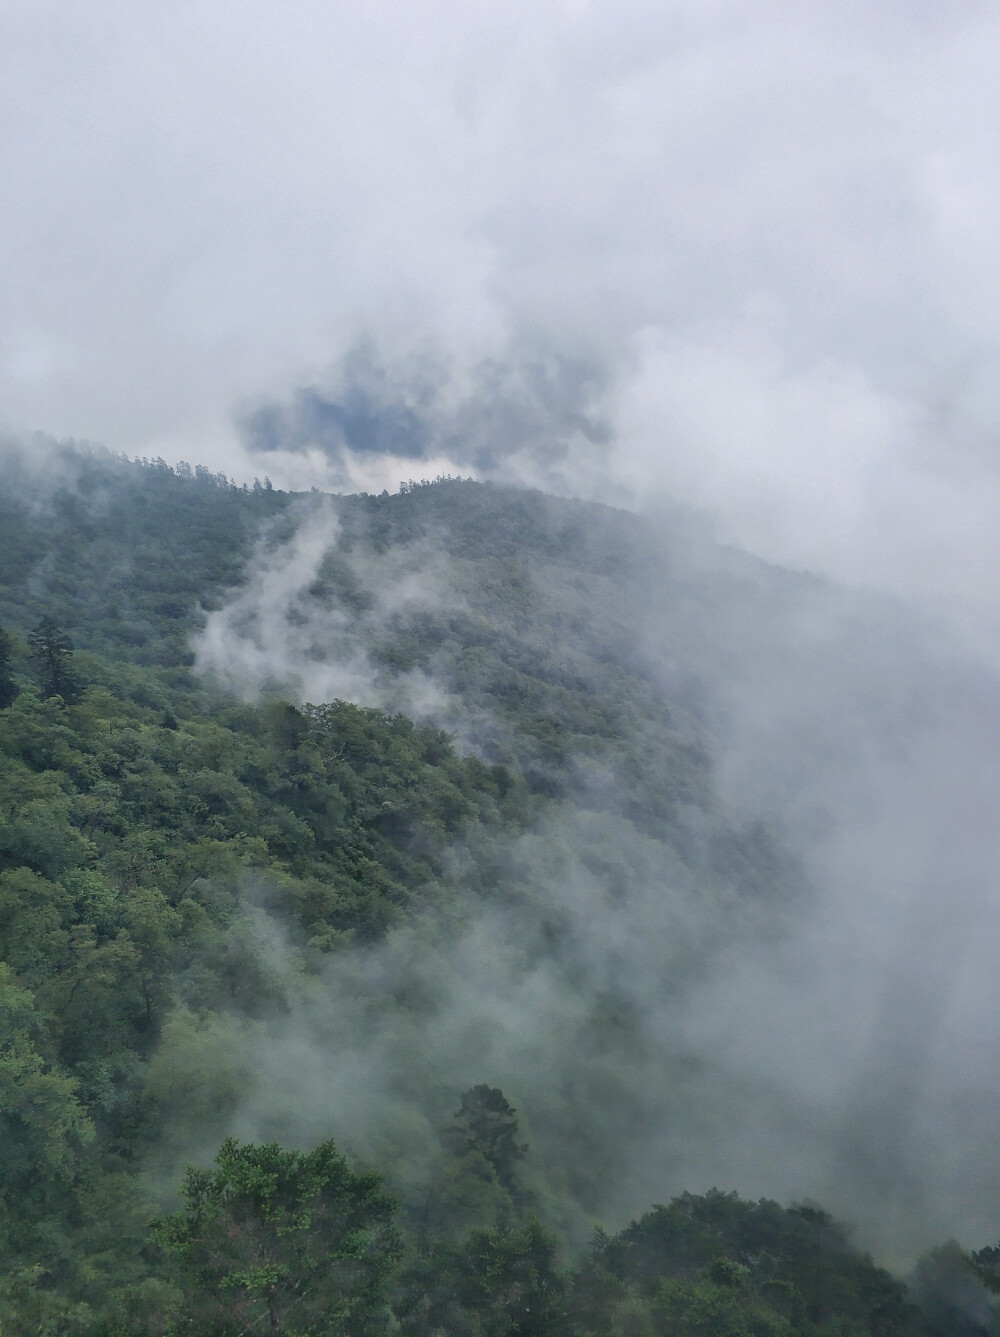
[[204, 204]]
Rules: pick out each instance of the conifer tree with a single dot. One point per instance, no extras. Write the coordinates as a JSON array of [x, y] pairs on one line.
[[52, 657], [9, 689], [486, 1122]]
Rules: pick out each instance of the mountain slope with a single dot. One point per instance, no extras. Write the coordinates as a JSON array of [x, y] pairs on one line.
[[354, 804]]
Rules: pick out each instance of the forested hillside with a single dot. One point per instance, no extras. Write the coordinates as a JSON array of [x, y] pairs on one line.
[[365, 854]]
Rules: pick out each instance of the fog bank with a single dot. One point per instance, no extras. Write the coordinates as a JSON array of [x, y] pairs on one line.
[[822, 1030]]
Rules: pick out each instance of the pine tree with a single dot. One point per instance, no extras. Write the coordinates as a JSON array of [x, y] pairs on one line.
[[9, 689], [52, 657], [486, 1122]]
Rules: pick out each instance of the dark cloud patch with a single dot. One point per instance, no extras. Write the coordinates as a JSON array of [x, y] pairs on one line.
[[367, 407], [535, 405]]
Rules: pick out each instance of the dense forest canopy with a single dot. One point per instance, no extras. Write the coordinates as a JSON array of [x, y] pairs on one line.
[[370, 871]]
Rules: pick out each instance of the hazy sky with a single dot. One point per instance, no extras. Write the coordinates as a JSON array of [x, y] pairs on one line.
[[773, 226]]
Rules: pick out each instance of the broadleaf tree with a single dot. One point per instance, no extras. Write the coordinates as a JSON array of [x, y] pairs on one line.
[[280, 1242]]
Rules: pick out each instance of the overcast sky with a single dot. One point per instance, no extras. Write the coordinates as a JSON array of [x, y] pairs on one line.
[[773, 226]]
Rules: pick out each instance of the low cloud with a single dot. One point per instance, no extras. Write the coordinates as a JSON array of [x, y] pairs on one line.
[[825, 1030], [813, 464], [290, 629], [523, 414], [637, 188]]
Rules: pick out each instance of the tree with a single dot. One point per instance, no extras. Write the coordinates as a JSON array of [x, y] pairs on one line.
[[52, 656], [509, 1278], [281, 1242], [501, 1281], [707, 1309], [486, 1122], [43, 1128], [9, 689]]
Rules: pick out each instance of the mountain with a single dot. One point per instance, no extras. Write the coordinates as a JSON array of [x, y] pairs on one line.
[[323, 816]]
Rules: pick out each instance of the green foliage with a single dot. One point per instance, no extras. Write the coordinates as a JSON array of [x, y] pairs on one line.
[[704, 1309], [52, 658], [144, 819], [121, 554], [508, 1278], [44, 1138], [43, 1125], [485, 1125], [128, 839], [958, 1292], [282, 1242], [716, 1264], [477, 1182], [8, 684], [499, 1282]]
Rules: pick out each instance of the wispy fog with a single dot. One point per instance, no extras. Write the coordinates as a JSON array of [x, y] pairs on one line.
[[287, 631], [828, 1034]]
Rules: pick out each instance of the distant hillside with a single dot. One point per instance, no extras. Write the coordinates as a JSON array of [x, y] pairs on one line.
[[416, 822]]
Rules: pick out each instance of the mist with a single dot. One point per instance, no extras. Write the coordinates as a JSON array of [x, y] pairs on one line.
[[823, 1031], [733, 271], [771, 237]]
